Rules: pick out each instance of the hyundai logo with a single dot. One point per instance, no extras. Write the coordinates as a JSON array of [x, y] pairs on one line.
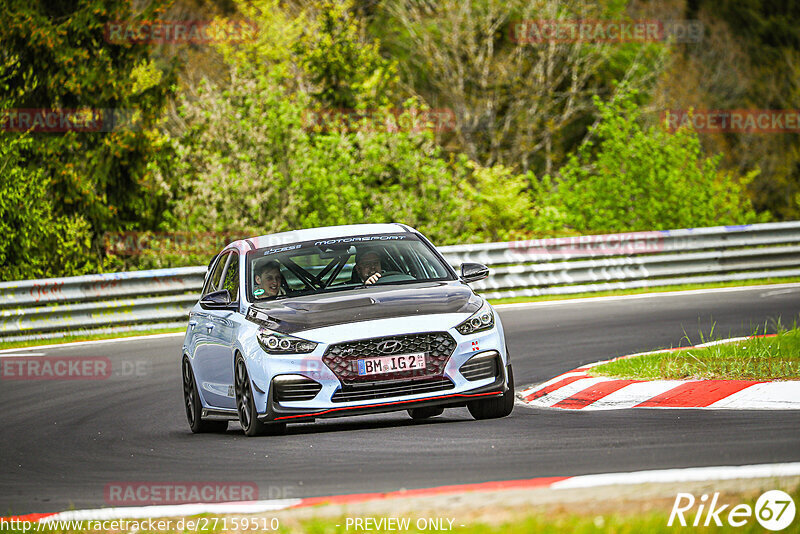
[[389, 346]]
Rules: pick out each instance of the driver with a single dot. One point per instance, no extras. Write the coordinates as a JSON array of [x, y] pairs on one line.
[[368, 266], [269, 281]]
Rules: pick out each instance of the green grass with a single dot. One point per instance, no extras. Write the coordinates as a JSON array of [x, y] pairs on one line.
[[760, 358], [620, 517], [643, 290], [84, 337]]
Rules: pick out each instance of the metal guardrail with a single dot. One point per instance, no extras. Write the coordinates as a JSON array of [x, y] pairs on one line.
[[139, 300]]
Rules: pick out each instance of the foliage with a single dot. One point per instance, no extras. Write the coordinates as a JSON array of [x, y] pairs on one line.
[[749, 58], [54, 55], [273, 172], [263, 155], [628, 178], [315, 120], [35, 242], [346, 69], [517, 101], [762, 357]]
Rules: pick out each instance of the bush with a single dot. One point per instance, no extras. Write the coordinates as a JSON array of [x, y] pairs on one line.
[[628, 178], [34, 242], [264, 152], [252, 163]]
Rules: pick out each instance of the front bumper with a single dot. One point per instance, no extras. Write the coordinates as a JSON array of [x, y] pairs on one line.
[[449, 398], [334, 397]]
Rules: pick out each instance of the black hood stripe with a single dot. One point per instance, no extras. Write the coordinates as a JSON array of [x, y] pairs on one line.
[[290, 316]]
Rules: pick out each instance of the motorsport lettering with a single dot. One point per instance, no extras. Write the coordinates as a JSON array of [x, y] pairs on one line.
[[358, 239]]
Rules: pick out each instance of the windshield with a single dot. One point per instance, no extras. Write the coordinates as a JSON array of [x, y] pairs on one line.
[[341, 264]]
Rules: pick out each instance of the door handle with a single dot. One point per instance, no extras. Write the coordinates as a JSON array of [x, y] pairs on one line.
[[192, 324], [209, 327]]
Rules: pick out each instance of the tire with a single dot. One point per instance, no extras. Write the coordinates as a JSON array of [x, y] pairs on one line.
[[246, 407], [191, 401], [495, 407], [425, 413]]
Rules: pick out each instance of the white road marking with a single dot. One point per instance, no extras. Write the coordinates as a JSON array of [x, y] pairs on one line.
[[532, 389], [695, 474], [584, 300], [767, 396], [773, 395], [779, 292], [95, 342], [567, 391], [178, 510], [633, 394]]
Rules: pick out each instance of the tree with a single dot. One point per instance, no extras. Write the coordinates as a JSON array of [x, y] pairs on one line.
[[628, 178], [55, 55], [344, 67], [250, 161], [749, 58], [35, 242], [517, 101]]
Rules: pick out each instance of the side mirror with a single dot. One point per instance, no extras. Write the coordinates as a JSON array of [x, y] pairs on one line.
[[216, 299], [472, 272]]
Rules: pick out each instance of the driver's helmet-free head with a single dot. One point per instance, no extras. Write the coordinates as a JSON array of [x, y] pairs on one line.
[[368, 262], [272, 287]]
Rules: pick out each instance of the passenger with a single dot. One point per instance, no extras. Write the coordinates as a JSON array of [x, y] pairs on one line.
[[368, 266], [269, 281]]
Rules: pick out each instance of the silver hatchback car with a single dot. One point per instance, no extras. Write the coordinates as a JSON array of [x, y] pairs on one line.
[[340, 321]]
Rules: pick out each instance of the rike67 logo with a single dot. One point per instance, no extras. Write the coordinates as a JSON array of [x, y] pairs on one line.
[[774, 510]]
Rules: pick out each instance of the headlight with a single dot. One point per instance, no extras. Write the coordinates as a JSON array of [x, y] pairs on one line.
[[479, 321], [277, 343]]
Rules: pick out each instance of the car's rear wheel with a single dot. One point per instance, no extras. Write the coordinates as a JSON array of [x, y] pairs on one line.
[[246, 407], [194, 408], [425, 413], [494, 407]]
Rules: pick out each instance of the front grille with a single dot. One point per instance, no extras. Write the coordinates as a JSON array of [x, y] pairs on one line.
[[480, 367], [294, 389], [437, 346], [383, 390]]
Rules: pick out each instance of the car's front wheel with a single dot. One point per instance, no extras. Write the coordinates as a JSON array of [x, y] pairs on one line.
[[494, 407], [191, 401], [246, 407]]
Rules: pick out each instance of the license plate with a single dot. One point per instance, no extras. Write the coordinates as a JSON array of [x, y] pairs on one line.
[[391, 364]]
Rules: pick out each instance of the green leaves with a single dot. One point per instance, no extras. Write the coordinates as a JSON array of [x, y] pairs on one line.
[[55, 56], [345, 68], [628, 178], [35, 242], [268, 152]]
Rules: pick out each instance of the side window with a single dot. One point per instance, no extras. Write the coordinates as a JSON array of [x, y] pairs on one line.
[[231, 282], [216, 274]]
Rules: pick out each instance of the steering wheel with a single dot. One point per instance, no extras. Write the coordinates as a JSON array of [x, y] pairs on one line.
[[394, 276]]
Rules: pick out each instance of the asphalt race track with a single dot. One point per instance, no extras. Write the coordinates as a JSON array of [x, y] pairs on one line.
[[62, 442]]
